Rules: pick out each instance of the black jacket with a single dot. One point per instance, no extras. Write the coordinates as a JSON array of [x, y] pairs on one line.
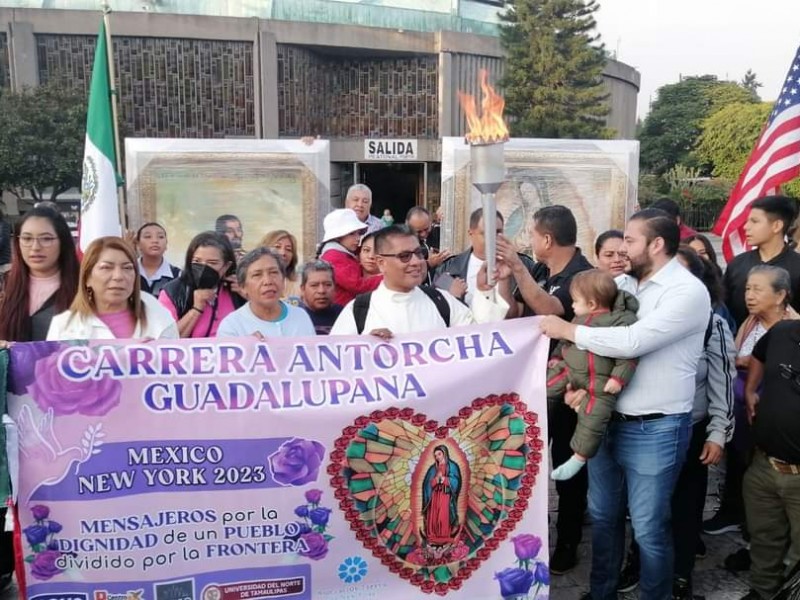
[[458, 265], [736, 278]]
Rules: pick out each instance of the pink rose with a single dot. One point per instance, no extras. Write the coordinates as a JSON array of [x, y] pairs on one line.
[[92, 397]]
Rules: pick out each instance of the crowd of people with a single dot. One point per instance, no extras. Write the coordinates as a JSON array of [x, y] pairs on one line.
[[660, 364]]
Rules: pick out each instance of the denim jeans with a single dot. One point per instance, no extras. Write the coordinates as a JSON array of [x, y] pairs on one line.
[[636, 466]]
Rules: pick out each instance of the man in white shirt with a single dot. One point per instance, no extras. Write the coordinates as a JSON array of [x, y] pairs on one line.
[[359, 200], [646, 442], [464, 267], [399, 305]]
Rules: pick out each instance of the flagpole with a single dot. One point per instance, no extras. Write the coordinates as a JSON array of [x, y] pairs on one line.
[[114, 113]]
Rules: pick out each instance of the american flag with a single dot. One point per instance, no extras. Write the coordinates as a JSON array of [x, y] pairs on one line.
[[775, 160]]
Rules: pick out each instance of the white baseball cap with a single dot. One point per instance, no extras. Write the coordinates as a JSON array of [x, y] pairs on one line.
[[340, 222]]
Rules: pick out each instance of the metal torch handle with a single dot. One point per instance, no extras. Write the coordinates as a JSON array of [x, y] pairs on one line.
[[490, 234]]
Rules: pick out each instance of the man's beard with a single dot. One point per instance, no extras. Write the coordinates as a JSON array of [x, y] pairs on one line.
[[236, 243], [640, 269]]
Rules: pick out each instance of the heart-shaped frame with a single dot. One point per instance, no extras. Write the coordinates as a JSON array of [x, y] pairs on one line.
[[501, 438]]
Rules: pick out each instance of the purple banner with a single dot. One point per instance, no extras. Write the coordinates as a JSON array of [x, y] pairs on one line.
[[335, 467]]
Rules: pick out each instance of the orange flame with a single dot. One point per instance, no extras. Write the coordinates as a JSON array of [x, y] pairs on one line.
[[489, 128]]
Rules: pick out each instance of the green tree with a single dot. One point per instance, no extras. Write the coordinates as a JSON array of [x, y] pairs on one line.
[[729, 136], [42, 133], [671, 129], [751, 83], [554, 62]]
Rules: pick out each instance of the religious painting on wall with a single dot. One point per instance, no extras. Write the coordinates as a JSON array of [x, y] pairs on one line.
[[188, 186], [596, 180]]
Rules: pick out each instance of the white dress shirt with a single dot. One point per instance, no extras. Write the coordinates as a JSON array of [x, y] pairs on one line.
[[668, 340], [473, 268], [165, 270], [373, 224], [414, 311]]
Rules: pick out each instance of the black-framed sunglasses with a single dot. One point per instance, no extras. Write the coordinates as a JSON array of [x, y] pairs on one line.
[[405, 257], [790, 373]]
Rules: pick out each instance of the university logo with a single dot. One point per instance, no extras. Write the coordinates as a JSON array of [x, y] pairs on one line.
[[129, 595]]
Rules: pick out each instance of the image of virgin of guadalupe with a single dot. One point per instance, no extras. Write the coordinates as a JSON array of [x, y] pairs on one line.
[[440, 491]]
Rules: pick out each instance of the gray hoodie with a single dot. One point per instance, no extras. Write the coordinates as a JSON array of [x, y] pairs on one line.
[[713, 392]]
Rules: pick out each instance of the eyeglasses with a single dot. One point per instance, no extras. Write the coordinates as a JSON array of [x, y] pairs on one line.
[[45, 241], [790, 373], [405, 257]]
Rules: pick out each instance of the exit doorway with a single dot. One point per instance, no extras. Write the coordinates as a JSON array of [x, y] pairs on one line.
[[397, 186]]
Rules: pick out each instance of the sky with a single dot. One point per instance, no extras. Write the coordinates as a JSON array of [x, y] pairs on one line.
[[664, 39]]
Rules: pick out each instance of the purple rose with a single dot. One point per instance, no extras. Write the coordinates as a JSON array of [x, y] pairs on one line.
[[22, 361], [52, 545], [514, 582], [316, 546], [54, 526], [302, 529], [44, 565], [301, 511], [35, 534], [40, 512], [313, 496], [527, 546], [297, 462], [542, 573], [320, 516], [66, 397]]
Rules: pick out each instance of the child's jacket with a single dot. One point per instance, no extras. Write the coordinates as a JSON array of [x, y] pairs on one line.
[[590, 372]]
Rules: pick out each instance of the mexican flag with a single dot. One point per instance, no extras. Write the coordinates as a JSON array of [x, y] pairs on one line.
[[99, 206]]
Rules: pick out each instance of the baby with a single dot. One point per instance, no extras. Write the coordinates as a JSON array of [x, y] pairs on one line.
[[597, 303], [387, 219]]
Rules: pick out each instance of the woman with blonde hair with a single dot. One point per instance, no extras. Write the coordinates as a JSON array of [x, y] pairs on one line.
[[109, 303], [285, 244]]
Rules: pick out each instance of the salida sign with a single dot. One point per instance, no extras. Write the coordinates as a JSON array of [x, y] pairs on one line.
[[390, 149]]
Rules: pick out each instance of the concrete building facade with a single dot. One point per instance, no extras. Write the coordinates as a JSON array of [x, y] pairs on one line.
[[379, 80]]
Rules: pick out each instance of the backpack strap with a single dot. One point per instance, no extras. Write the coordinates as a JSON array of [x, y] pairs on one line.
[[361, 306], [360, 310], [440, 301]]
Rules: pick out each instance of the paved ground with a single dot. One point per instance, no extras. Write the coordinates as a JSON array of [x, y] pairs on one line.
[[711, 579]]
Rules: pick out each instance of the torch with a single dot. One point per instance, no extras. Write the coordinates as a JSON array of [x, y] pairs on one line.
[[486, 137]]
